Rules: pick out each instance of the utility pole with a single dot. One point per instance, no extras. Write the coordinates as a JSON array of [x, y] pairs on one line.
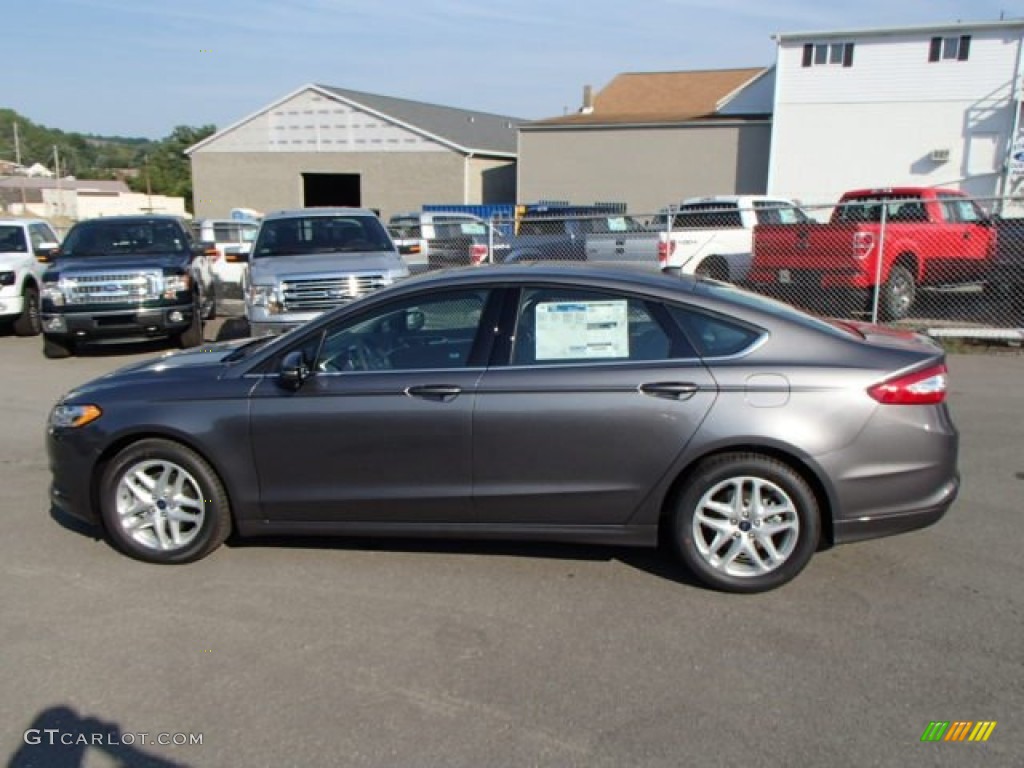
[[149, 188], [60, 192], [17, 160]]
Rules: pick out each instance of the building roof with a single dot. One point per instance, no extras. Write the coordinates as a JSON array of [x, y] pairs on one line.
[[927, 29], [463, 130], [660, 97]]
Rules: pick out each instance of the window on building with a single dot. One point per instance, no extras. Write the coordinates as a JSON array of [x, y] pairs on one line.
[[950, 48], [821, 54]]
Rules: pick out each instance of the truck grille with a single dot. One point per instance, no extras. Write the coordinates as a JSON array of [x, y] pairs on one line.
[[319, 293], [112, 287]]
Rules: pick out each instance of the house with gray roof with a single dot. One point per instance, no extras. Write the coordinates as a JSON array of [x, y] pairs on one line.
[[321, 145]]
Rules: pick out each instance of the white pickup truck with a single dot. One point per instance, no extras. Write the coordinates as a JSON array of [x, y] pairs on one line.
[[714, 236], [26, 245]]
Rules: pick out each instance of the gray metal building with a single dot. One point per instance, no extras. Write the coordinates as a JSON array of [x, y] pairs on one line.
[[321, 145], [651, 139]]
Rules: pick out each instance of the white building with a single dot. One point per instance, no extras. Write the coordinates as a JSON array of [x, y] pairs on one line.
[[916, 106]]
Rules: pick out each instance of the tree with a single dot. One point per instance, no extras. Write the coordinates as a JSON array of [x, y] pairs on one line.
[[166, 169]]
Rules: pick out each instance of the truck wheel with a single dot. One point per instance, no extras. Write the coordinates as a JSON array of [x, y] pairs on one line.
[[28, 323], [57, 347], [210, 310], [193, 335], [713, 267], [897, 295]]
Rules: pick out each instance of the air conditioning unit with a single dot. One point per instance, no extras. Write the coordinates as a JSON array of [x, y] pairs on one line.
[[939, 155]]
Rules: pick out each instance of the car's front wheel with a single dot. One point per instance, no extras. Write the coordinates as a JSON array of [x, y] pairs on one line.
[[163, 503], [745, 523]]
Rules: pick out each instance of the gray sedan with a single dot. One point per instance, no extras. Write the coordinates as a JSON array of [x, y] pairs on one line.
[[551, 402]]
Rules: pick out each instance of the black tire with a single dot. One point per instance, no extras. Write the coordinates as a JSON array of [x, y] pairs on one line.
[[897, 294], [148, 533], [736, 558], [713, 267], [28, 322], [57, 347], [210, 312], [193, 335]]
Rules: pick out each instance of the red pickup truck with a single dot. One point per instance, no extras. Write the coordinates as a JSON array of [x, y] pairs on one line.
[[924, 237]]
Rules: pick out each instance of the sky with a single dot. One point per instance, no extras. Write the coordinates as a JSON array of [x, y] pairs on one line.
[[142, 67]]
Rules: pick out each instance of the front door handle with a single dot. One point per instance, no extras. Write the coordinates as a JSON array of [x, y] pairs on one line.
[[672, 390], [442, 392]]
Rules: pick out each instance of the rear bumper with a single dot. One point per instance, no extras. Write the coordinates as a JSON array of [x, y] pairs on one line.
[[867, 527]]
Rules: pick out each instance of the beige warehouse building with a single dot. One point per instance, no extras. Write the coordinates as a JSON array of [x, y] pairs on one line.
[[651, 139], [321, 145]]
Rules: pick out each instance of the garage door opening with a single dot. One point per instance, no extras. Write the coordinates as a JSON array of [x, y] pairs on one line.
[[320, 189]]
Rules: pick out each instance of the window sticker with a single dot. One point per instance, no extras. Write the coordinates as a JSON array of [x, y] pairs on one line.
[[582, 330]]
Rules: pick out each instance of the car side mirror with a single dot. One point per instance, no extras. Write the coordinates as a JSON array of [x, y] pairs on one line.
[[47, 252], [294, 370]]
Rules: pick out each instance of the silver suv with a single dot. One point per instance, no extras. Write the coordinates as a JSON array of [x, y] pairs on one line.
[[307, 261]]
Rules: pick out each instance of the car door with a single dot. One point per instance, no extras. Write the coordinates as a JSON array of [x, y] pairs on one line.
[[966, 242], [599, 397], [381, 430]]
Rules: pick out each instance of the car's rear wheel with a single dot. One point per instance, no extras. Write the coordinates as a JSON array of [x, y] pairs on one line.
[[28, 322], [57, 347], [745, 523], [163, 503]]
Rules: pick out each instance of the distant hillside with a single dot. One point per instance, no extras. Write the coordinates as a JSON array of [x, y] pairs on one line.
[[81, 155], [161, 166]]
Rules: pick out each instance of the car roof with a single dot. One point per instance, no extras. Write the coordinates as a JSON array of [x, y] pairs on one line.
[[339, 211], [639, 278]]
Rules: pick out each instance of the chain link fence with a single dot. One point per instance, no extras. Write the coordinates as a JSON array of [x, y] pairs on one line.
[[941, 262]]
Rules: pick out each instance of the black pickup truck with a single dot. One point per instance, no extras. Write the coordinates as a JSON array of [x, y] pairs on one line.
[[1006, 275], [126, 278]]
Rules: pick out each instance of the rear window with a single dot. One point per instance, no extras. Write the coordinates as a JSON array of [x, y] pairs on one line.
[[110, 237], [869, 209], [708, 216]]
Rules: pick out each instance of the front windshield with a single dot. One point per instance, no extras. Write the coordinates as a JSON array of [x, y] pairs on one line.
[[115, 238], [321, 234]]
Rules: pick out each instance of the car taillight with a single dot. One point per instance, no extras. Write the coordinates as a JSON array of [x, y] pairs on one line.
[[918, 388], [477, 254], [863, 242], [211, 253], [665, 249]]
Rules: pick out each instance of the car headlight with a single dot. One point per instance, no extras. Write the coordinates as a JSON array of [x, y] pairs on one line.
[[175, 284], [73, 416], [53, 293], [266, 296]]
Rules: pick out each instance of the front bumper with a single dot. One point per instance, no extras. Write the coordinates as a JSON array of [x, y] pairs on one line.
[[72, 458], [119, 324]]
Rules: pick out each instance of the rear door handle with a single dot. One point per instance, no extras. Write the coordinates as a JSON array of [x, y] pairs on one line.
[[672, 390], [442, 392]]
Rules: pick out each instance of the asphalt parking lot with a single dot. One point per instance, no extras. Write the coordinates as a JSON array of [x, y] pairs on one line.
[[363, 653]]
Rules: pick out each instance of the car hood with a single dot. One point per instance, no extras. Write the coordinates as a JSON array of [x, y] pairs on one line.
[[269, 268], [119, 262]]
